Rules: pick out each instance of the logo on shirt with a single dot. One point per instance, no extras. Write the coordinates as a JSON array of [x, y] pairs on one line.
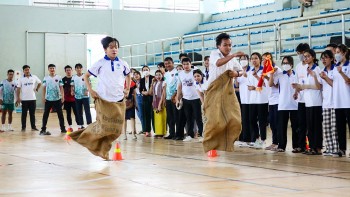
[[188, 82], [28, 84], [56, 80], [82, 79]]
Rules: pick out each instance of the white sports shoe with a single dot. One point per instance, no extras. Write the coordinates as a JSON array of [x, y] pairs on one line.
[[9, 128], [259, 144], [187, 139]]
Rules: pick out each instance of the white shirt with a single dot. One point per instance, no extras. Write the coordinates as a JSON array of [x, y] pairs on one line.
[[341, 90], [273, 91], [201, 87], [301, 72], [188, 85], [52, 85], [243, 84], [111, 78], [28, 86], [327, 90], [286, 91], [257, 97], [79, 87], [214, 71], [313, 97], [171, 79]]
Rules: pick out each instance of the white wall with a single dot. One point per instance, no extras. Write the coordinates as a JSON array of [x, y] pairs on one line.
[[128, 27]]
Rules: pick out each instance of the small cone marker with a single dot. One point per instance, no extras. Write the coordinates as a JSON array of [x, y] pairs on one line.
[[212, 153], [67, 137], [307, 143], [117, 156]]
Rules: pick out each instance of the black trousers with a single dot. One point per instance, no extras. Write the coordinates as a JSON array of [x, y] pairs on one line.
[[58, 106], [302, 125], [193, 112], [314, 126], [273, 118], [342, 117], [283, 117], [31, 106], [68, 106], [258, 113], [180, 123], [245, 123], [147, 113], [171, 116]]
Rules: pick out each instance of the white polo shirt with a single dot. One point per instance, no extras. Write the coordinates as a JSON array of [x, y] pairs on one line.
[[301, 72], [273, 91], [28, 86], [327, 90], [257, 97], [313, 97], [286, 91], [111, 78], [201, 87], [188, 85], [341, 90], [214, 71], [243, 83]]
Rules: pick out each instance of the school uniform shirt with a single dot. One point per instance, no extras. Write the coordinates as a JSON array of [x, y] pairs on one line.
[[273, 91], [327, 90], [286, 91], [52, 85], [244, 93], [201, 87], [111, 77], [313, 97], [257, 97], [214, 71], [28, 86], [7, 89], [301, 72], [79, 87], [188, 85], [171, 79], [341, 90], [205, 72]]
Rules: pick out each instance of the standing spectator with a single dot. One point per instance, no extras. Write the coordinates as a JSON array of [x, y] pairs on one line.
[[341, 95], [69, 100], [7, 99], [147, 112], [130, 110], [139, 108], [205, 71], [26, 88], [329, 121], [53, 96], [82, 96]]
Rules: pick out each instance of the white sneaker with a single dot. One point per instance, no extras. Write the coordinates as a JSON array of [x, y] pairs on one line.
[[243, 144], [251, 144], [200, 139], [259, 144], [9, 128], [187, 139], [134, 138]]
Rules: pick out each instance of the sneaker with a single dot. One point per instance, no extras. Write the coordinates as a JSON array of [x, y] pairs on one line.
[[169, 137], [23, 130], [271, 147], [251, 144], [339, 154], [326, 153], [259, 144], [179, 138], [187, 139], [297, 150], [33, 129], [63, 131], [200, 139], [9, 128], [280, 150], [243, 144], [125, 138], [44, 133], [134, 138]]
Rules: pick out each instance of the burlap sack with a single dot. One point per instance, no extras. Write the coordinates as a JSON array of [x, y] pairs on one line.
[[98, 136], [223, 114]]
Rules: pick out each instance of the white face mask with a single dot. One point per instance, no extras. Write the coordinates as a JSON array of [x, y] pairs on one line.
[[286, 67], [301, 57], [243, 63], [338, 57], [146, 73]]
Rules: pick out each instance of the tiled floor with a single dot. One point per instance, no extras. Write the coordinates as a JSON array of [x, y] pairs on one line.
[[33, 165]]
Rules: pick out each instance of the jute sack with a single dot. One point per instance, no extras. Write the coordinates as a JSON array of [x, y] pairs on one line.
[[98, 136], [223, 114]]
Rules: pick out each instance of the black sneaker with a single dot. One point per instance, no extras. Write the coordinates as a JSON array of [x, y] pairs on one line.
[[23, 129], [169, 137], [35, 129], [63, 131], [179, 138], [44, 133]]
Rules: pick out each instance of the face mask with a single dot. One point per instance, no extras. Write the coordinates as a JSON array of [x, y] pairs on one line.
[[301, 57], [338, 57], [286, 67], [146, 73], [244, 63]]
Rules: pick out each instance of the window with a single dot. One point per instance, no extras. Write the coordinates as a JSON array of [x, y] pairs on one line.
[[191, 6], [96, 4]]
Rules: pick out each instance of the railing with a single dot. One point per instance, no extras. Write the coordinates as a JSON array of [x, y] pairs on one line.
[[243, 38]]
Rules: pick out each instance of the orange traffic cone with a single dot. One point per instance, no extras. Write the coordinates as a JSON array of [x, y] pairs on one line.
[[307, 143], [212, 153], [67, 137], [117, 156]]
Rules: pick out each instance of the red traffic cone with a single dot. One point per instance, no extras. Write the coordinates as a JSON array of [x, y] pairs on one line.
[[212, 153], [67, 137], [307, 143], [117, 156]]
